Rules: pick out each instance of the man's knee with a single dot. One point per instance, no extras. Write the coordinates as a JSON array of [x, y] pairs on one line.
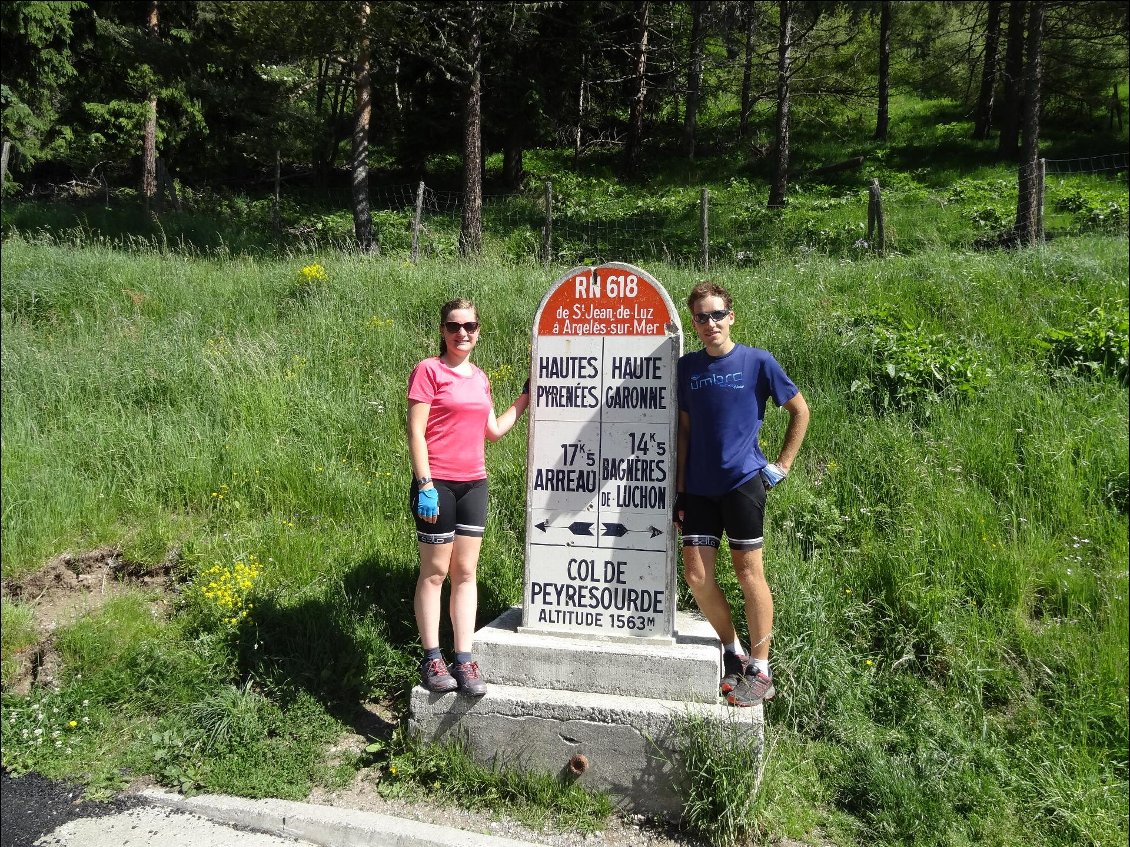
[[696, 569], [749, 568], [697, 579]]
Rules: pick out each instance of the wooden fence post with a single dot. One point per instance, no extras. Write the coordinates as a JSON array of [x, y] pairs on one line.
[[547, 230], [277, 212], [1041, 171], [876, 226], [416, 221], [704, 226]]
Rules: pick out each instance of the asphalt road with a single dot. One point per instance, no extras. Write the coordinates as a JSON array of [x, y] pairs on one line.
[[38, 812]]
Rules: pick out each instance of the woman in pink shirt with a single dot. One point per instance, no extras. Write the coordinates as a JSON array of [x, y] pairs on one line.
[[450, 413]]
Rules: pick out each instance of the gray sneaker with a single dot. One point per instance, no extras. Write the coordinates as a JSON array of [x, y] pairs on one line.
[[753, 689], [435, 678], [733, 668], [469, 679]]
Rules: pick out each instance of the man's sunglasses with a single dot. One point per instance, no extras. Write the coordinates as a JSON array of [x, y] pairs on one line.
[[718, 315], [455, 326]]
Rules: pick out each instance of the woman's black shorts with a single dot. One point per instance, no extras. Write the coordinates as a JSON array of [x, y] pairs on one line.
[[462, 511]]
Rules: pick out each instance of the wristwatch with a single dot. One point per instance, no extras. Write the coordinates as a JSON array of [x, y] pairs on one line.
[[420, 483]]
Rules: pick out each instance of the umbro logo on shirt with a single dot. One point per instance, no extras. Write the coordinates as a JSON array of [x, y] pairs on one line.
[[734, 380]]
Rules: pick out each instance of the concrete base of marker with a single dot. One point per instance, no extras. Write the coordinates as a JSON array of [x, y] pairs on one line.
[[610, 710]]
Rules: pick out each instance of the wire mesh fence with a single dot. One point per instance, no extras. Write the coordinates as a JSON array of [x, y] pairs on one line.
[[733, 225], [567, 222]]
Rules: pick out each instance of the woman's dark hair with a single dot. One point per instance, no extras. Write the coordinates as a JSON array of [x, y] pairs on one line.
[[446, 310]]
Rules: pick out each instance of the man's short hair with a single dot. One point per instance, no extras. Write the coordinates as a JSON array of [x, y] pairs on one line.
[[709, 289]]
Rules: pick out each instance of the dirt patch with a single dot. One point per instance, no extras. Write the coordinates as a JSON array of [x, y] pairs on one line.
[[66, 588]]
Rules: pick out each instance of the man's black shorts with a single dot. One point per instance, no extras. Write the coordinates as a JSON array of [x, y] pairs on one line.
[[739, 513]]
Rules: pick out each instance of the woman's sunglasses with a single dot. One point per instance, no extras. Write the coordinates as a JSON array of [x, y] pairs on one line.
[[718, 315], [455, 326]]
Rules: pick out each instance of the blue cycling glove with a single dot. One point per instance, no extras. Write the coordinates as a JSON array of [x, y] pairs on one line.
[[427, 503], [772, 474]]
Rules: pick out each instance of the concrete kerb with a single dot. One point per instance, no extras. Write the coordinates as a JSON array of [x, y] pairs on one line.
[[326, 826]]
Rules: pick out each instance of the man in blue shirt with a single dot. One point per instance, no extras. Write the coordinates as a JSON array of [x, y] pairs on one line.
[[722, 478]]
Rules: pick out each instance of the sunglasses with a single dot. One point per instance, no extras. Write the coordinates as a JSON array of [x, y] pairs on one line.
[[455, 326], [718, 315]]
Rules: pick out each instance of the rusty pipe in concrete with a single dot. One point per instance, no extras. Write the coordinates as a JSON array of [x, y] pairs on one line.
[[578, 764]]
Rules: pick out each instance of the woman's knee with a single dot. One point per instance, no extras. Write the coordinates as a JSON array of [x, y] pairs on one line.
[[464, 571], [435, 565], [433, 577]]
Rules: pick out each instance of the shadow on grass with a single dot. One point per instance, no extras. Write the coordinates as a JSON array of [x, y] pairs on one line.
[[354, 644]]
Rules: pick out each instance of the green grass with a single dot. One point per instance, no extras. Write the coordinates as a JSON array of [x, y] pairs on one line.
[[722, 770], [406, 767], [950, 574], [17, 632]]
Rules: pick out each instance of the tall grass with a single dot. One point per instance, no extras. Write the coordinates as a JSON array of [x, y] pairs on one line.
[[950, 575]]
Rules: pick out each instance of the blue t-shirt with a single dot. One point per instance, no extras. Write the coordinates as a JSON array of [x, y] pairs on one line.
[[725, 398]]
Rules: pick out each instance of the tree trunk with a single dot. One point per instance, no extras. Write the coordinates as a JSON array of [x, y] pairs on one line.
[[335, 122], [984, 119], [318, 142], [471, 228], [1013, 80], [363, 112], [397, 101], [513, 165], [580, 108], [149, 145], [635, 121], [747, 71], [780, 185], [882, 120], [1028, 182], [694, 79], [4, 166], [341, 110]]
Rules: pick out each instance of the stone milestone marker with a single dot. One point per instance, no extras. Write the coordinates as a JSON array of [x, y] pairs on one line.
[[589, 677], [600, 556]]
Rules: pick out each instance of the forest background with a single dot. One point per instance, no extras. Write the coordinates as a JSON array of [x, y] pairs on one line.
[[242, 96], [208, 247]]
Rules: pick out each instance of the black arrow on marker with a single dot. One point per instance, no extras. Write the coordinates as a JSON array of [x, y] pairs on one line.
[[577, 527], [617, 529]]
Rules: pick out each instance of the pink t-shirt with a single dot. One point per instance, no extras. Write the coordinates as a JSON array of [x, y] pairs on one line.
[[457, 422]]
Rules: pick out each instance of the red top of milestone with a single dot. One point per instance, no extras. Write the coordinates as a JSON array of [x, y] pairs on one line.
[[608, 300]]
